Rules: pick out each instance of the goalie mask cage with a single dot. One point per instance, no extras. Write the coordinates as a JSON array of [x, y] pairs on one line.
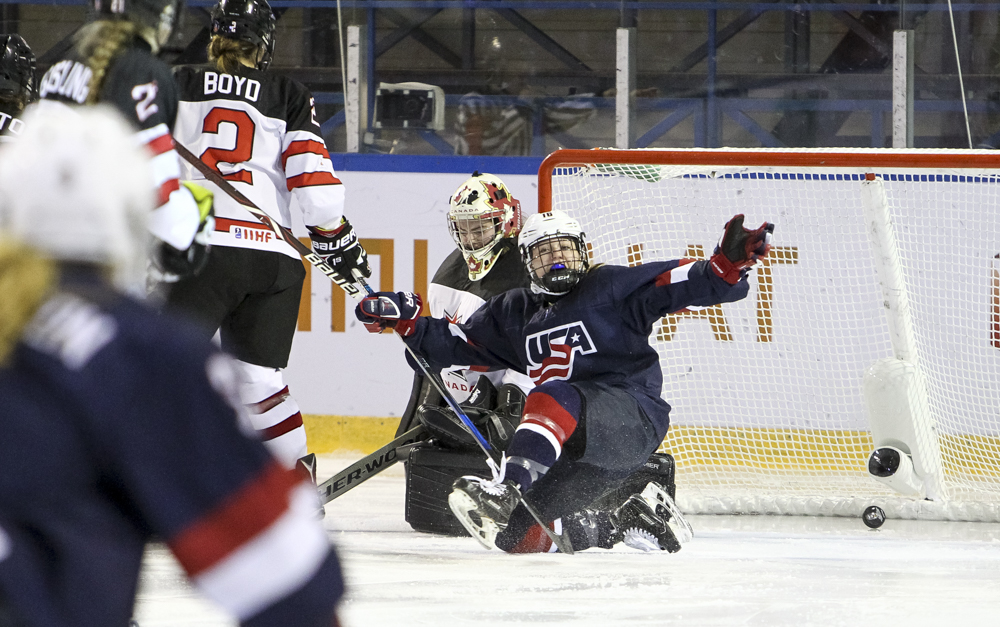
[[768, 414]]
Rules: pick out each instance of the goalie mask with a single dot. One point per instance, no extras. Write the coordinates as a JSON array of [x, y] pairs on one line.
[[554, 251], [76, 188], [481, 214], [246, 20]]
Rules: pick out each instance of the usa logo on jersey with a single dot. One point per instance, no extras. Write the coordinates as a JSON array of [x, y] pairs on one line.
[[551, 352]]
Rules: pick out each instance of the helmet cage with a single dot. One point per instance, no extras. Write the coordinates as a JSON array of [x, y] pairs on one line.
[[162, 16], [17, 70], [250, 21], [483, 213], [556, 262]]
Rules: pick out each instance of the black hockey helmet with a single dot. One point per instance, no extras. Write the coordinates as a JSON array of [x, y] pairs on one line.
[[163, 16], [17, 70], [246, 20]]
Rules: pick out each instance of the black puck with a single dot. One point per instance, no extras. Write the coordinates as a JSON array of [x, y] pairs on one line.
[[873, 516]]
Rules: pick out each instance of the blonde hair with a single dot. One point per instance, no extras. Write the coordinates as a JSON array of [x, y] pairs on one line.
[[229, 55], [100, 43], [26, 278]]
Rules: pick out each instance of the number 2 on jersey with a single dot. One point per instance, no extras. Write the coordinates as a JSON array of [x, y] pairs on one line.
[[240, 153]]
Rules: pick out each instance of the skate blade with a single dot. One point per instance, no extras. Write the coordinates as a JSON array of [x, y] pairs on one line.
[[655, 495], [641, 540], [461, 505]]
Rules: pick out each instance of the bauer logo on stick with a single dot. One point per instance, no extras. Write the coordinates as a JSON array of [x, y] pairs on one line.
[[551, 352]]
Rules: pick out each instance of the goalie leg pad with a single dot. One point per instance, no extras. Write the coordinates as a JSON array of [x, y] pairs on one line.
[[430, 472]]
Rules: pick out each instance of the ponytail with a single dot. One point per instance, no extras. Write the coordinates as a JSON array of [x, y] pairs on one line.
[[229, 55], [99, 43], [26, 278]]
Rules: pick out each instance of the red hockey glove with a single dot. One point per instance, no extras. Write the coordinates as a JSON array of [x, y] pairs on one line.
[[390, 310], [739, 249], [341, 250]]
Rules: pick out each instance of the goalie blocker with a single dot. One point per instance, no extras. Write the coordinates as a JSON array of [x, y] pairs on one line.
[[432, 466]]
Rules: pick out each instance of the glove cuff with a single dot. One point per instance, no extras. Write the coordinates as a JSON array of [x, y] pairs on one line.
[[725, 269], [405, 328]]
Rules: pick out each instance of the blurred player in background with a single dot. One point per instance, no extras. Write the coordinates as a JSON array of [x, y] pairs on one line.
[[113, 61], [17, 84], [595, 415], [120, 424], [258, 129]]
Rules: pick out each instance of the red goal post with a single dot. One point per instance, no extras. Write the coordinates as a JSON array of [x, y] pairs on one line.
[[881, 258]]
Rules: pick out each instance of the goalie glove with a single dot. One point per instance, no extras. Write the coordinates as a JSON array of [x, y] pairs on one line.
[[339, 247], [739, 249], [171, 264], [390, 310]]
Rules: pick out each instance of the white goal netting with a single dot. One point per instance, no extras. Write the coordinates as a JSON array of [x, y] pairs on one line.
[[768, 414]]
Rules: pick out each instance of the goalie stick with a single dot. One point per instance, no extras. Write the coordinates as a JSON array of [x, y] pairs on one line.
[[354, 292], [367, 467]]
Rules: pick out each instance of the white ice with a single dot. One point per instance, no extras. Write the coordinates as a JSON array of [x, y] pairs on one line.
[[750, 570]]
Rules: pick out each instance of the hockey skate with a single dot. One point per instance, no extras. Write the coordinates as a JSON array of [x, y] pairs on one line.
[[651, 521], [483, 506]]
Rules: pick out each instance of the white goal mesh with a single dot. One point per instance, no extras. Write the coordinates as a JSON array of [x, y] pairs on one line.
[[768, 414]]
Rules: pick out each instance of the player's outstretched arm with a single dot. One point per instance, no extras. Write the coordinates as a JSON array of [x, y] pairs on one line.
[[442, 344], [652, 290]]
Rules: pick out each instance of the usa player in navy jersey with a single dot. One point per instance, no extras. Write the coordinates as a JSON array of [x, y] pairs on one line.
[[595, 415], [113, 61], [17, 84], [258, 129], [121, 425]]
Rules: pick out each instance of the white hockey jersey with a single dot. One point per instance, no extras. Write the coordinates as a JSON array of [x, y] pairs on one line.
[[259, 131]]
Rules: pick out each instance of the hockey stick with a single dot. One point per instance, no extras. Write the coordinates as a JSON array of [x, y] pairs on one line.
[[352, 290], [367, 467]]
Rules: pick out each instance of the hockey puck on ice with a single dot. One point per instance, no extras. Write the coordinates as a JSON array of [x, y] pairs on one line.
[[873, 516]]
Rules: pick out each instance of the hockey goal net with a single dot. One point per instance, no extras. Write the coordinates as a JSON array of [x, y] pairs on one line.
[[768, 411]]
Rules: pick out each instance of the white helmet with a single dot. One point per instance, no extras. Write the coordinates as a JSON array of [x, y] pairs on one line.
[[482, 212], [76, 187], [554, 251]]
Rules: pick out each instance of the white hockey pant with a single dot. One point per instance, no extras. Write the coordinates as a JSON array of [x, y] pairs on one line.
[[274, 414]]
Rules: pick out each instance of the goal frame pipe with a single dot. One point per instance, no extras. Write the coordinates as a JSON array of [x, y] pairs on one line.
[[729, 157]]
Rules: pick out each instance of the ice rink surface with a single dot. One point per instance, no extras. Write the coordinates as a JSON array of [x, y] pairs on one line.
[[749, 570]]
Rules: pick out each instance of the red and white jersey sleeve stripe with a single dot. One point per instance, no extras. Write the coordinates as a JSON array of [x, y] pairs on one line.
[[176, 217], [309, 176], [260, 545]]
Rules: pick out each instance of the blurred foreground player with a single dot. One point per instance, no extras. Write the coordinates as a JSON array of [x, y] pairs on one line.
[[119, 424], [596, 413]]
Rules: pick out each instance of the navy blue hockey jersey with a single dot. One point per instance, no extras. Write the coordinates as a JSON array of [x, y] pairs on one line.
[[598, 332], [119, 426]]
